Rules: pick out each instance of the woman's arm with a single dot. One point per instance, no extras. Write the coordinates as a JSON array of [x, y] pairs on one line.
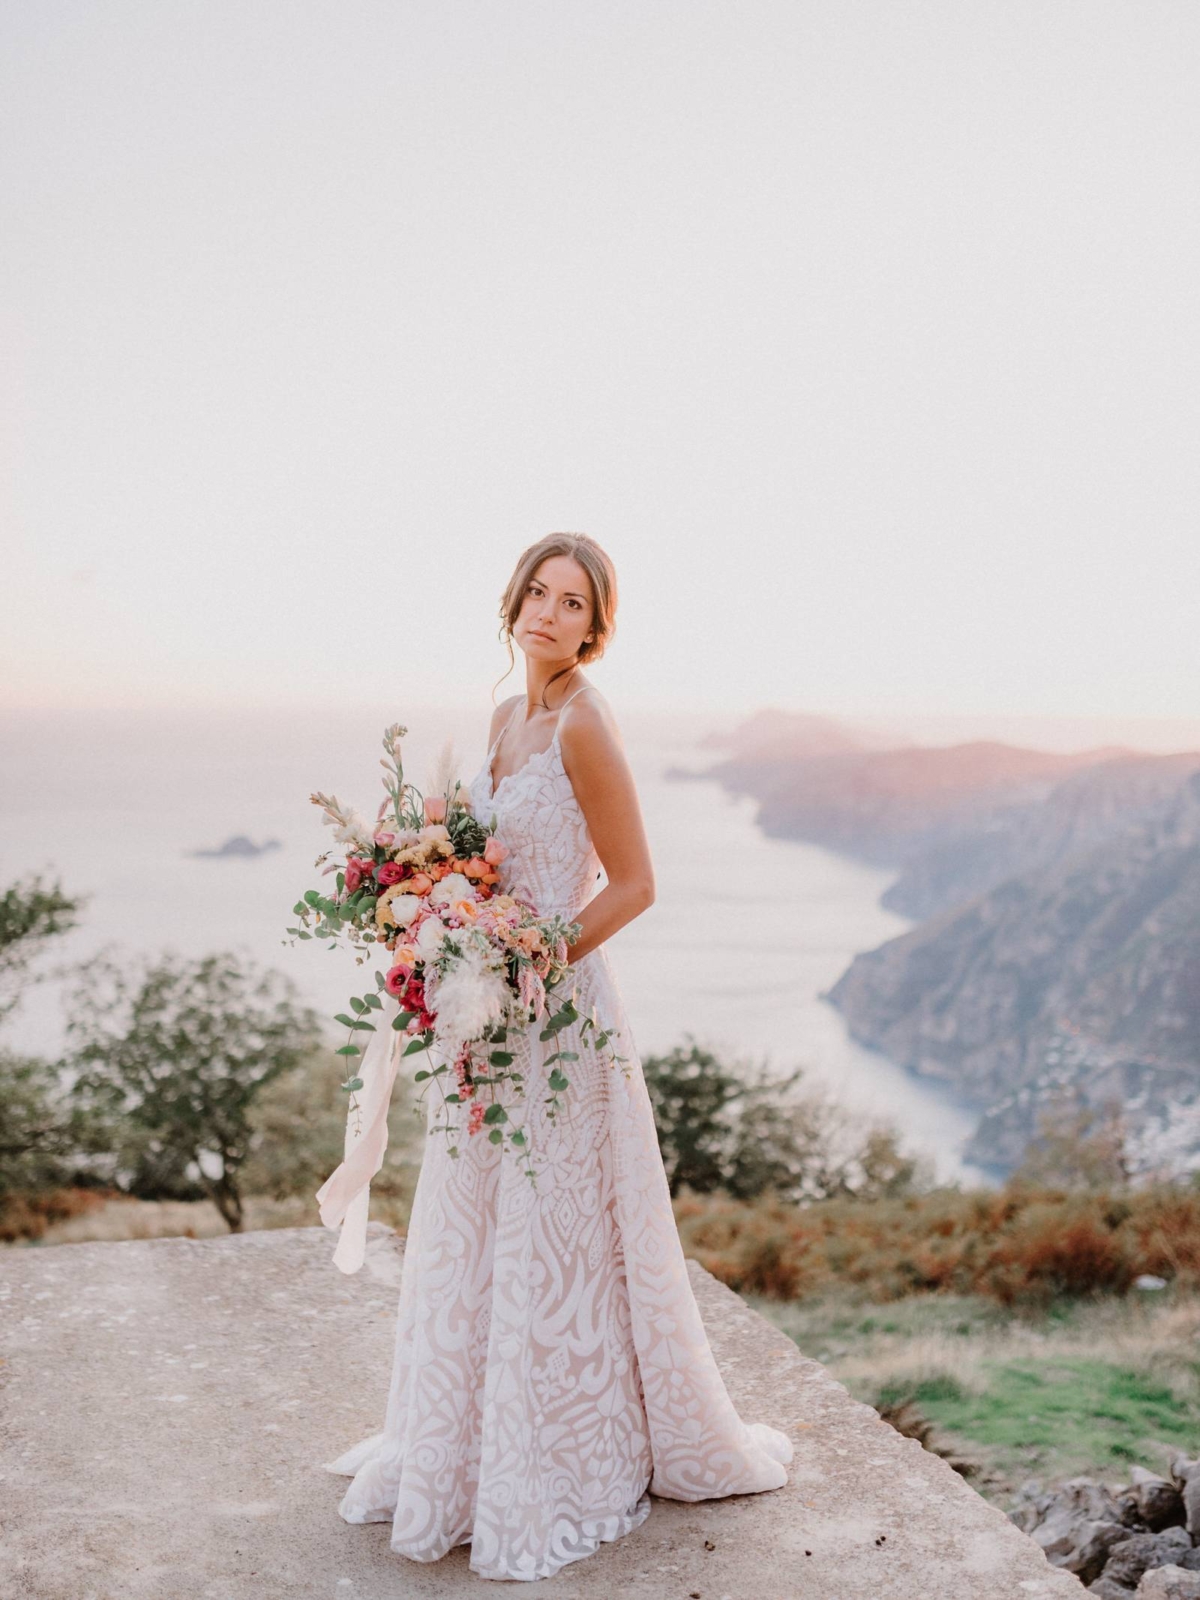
[[595, 762]]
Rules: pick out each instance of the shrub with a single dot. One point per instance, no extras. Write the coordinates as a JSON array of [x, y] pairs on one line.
[[1021, 1246], [745, 1133]]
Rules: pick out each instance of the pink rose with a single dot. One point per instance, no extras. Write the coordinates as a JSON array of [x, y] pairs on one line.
[[356, 871], [435, 809], [389, 872], [384, 838], [396, 980], [494, 852]]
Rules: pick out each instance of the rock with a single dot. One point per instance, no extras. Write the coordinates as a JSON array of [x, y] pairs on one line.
[[1169, 1583], [1128, 1511], [1130, 1559], [1183, 1468], [1031, 1503], [1093, 1543], [1191, 1504], [1106, 1589], [1159, 1502], [1075, 1508]]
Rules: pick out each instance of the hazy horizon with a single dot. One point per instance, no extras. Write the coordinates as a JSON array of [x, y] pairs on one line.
[[864, 338]]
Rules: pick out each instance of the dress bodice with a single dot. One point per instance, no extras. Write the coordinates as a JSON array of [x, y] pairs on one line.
[[551, 862]]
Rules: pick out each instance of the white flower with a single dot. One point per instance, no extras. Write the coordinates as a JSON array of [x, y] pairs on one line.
[[404, 907], [434, 830], [454, 886], [356, 831], [468, 997], [430, 935]]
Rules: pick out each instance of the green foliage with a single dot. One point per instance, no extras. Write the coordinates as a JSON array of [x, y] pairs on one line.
[[744, 1133], [37, 1144], [170, 1060], [31, 913], [38, 1130]]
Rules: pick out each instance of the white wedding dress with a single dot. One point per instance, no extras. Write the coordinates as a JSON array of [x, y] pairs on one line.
[[550, 1363]]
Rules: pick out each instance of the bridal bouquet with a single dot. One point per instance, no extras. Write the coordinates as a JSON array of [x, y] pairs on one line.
[[466, 964]]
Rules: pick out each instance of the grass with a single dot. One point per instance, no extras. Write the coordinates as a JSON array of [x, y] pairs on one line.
[[1084, 1386]]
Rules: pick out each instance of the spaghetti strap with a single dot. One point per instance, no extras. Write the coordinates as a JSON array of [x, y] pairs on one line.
[[496, 743]]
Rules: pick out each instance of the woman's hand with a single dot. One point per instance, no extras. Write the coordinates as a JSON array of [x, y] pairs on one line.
[[594, 760]]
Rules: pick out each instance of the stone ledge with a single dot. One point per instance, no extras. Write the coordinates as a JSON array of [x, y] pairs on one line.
[[168, 1403]]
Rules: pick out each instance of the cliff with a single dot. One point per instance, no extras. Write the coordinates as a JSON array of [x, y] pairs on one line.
[[1083, 972]]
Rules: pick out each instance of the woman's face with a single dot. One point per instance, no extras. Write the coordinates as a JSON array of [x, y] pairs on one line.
[[555, 618]]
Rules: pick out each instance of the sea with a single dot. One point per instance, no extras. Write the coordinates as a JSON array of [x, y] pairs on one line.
[[744, 935]]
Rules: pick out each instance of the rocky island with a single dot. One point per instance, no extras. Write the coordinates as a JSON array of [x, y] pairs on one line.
[[238, 848]]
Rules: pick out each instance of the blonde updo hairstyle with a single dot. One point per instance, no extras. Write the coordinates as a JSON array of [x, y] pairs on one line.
[[596, 563]]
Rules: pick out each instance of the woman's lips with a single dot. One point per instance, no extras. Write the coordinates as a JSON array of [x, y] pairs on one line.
[[538, 634]]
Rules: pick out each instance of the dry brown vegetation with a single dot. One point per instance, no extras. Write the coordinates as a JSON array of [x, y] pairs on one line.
[[1021, 1244]]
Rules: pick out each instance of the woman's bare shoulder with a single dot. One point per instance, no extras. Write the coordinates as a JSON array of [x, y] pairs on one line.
[[589, 722], [501, 715]]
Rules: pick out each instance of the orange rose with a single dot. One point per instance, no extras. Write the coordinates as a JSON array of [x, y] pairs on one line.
[[419, 883]]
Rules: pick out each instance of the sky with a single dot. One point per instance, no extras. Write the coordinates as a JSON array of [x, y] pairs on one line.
[[863, 336]]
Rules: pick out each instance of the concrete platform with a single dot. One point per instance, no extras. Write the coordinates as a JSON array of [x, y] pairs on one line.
[[166, 1406]]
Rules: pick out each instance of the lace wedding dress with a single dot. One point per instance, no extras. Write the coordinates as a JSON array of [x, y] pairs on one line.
[[550, 1362]]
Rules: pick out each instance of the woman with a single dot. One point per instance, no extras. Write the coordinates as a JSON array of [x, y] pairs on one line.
[[551, 1366]]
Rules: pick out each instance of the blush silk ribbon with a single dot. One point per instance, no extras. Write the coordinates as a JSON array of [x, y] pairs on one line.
[[345, 1196]]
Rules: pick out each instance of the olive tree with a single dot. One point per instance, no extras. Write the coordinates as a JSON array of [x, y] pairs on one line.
[[170, 1057]]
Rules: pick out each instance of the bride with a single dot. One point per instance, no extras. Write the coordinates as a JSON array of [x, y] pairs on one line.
[[551, 1369]]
